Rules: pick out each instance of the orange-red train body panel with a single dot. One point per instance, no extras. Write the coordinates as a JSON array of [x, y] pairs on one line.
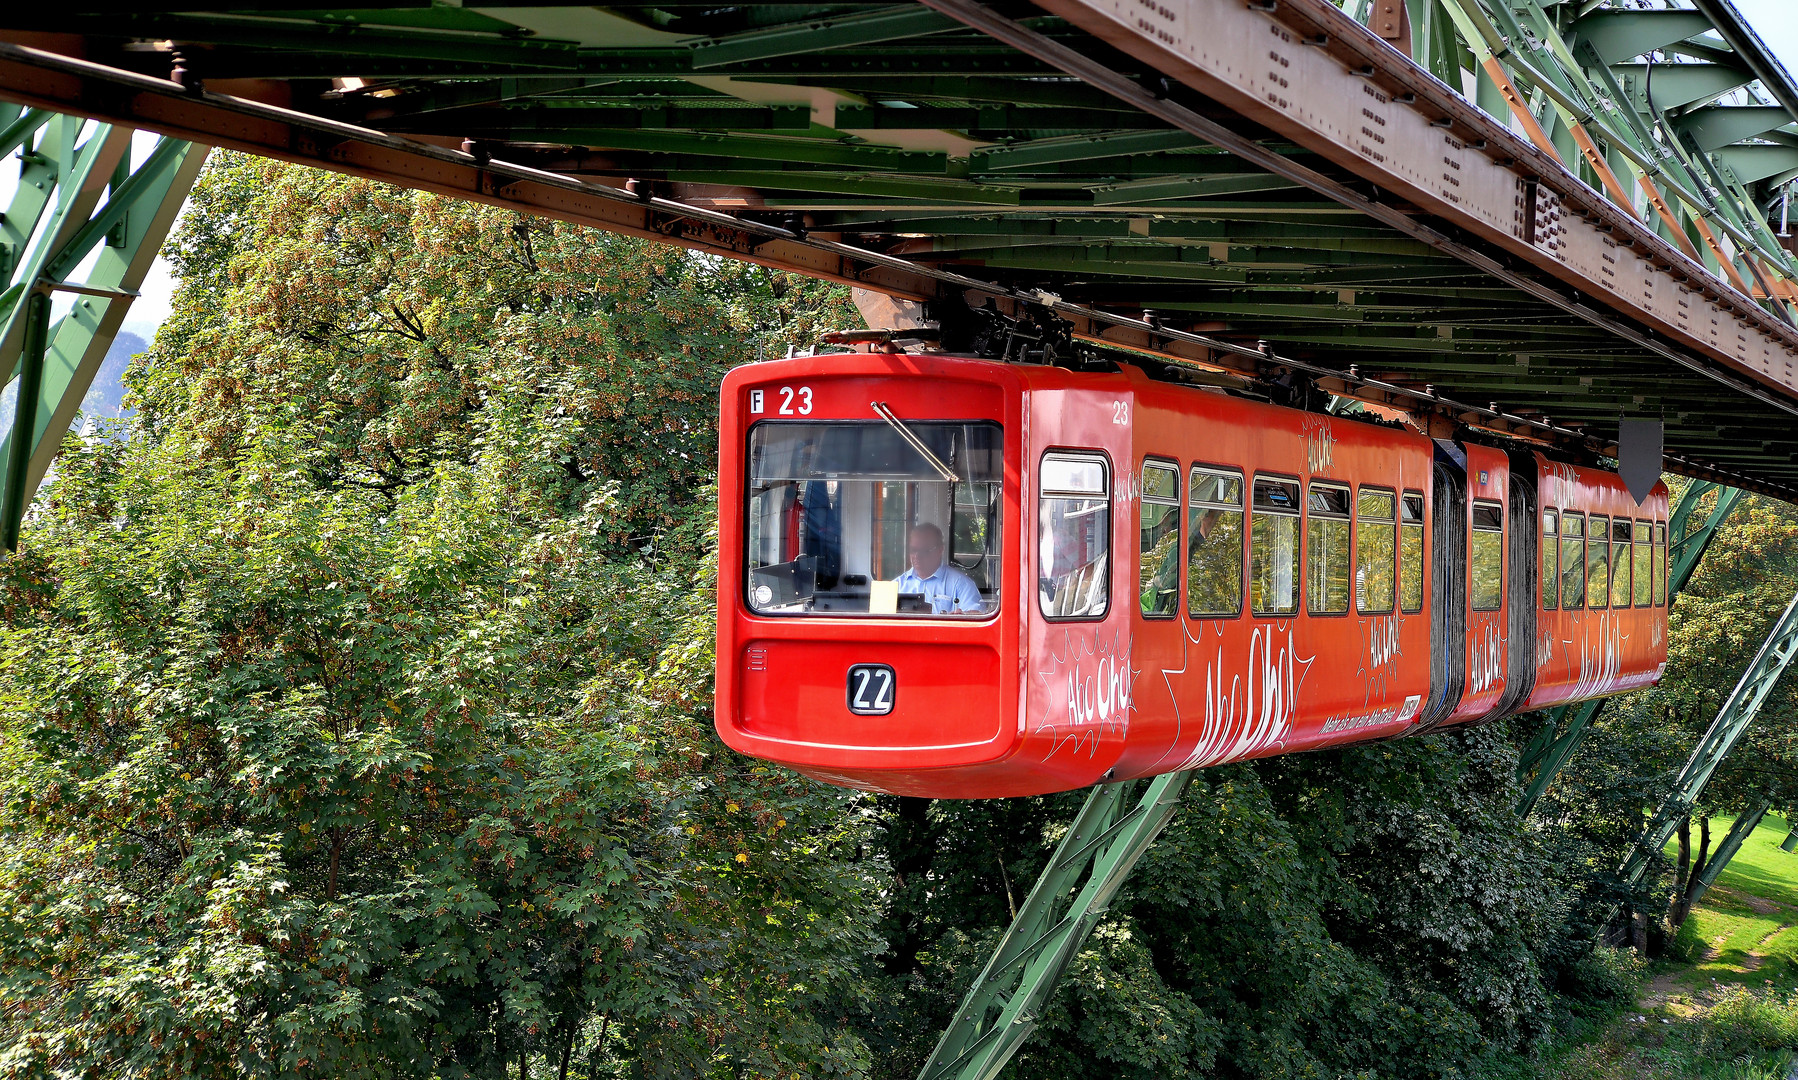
[[1331, 537]]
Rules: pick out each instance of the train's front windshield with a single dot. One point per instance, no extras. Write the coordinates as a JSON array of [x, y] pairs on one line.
[[884, 517]]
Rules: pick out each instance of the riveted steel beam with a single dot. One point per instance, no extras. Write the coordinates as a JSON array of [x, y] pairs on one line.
[[1620, 34], [1716, 126], [1198, 43], [1678, 86], [836, 32]]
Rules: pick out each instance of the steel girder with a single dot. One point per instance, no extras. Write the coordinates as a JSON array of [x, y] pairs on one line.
[[902, 148], [1564, 729], [1733, 719], [84, 223], [1089, 866]]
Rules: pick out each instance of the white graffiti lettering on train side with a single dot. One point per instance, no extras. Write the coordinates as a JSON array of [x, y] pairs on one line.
[[1486, 657], [1251, 711], [1389, 714], [1320, 443], [1545, 647], [1601, 661], [1379, 654], [1096, 685]]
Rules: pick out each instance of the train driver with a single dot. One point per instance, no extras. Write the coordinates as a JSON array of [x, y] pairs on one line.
[[941, 583]]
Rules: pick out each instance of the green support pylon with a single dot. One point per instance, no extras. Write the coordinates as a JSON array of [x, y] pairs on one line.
[[1738, 711], [1100, 849], [79, 204], [1745, 825], [1565, 728]]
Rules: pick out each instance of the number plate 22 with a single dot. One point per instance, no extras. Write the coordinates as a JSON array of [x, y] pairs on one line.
[[872, 689]]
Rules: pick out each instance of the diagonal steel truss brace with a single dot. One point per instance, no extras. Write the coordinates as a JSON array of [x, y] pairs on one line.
[[1733, 719], [1744, 826], [1090, 864], [85, 224], [1565, 728]]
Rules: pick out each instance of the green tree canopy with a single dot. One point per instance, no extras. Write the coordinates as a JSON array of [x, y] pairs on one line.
[[355, 719]]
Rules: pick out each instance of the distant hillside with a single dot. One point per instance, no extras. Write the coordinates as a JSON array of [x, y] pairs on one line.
[[107, 395]]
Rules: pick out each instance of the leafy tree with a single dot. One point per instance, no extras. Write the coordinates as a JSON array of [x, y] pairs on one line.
[[355, 719]]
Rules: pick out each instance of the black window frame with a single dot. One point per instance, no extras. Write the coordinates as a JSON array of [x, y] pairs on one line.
[[1423, 555], [1473, 526], [1110, 530], [1549, 577], [1171, 465], [1347, 517], [1298, 545], [1355, 543], [1246, 486]]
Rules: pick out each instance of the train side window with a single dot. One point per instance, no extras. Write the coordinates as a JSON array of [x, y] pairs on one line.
[[1620, 562], [1274, 547], [1660, 563], [1074, 533], [1641, 564], [1158, 555], [1598, 562], [1410, 552], [1327, 548], [1376, 550], [1214, 543], [1551, 568], [1573, 560], [1486, 556]]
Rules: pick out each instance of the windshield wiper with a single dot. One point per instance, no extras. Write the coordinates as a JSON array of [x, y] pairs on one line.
[[885, 413]]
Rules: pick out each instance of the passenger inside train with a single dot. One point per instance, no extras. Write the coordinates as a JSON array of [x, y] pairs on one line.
[[875, 518]]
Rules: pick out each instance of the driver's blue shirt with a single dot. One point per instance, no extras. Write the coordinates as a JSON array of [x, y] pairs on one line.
[[947, 588]]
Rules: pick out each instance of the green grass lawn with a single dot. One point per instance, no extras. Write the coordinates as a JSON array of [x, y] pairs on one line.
[[1745, 930], [1760, 868], [1723, 1005]]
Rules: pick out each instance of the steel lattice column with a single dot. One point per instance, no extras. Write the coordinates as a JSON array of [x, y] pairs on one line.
[[1726, 850], [79, 203], [1100, 849], [1738, 711]]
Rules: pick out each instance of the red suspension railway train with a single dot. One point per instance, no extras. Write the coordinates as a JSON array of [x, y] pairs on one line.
[[1216, 579]]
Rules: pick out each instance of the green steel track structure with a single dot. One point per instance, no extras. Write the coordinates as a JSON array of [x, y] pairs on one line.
[[1045, 153], [1739, 831], [1732, 722], [1095, 855], [84, 224]]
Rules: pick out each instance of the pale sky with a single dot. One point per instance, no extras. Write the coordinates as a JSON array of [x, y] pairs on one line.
[[1776, 21]]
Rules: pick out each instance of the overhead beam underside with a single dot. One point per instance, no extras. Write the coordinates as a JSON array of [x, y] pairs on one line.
[[897, 130]]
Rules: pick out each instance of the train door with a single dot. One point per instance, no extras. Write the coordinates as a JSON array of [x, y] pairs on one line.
[[1155, 634], [1520, 587], [1447, 592], [1082, 487], [1488, 624]]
